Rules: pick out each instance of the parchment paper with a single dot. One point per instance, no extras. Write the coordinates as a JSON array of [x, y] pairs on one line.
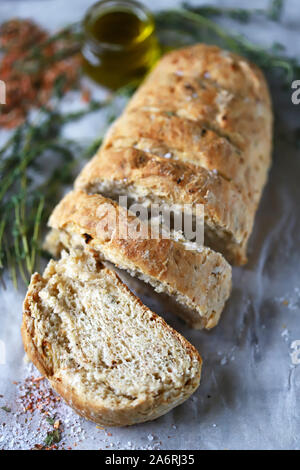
[[249, 396]]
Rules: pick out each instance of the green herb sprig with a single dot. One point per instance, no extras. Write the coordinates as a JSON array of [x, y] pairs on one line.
[[25, 205], [53, 437], [243, 15], [6, 409], [194, 24]]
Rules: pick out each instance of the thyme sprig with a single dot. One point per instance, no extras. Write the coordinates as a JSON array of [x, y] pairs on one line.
[[25, 204], [53, 437], [193, 24], [243, 15]]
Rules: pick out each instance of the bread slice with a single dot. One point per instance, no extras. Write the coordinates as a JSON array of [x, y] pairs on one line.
[[199, 280], [112, 359], [147, 178], [171, 136]]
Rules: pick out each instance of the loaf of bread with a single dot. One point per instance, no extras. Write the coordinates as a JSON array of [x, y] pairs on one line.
[[199, 280], [198, 131], [112, 359]]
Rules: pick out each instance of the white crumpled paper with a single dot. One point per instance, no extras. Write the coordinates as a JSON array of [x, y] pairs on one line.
[[249, 396]]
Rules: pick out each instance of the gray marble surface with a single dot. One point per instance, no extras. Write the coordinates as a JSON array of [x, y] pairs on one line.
[[249, 397]]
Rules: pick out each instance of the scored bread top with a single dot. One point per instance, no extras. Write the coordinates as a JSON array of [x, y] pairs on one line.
[[199, 280], [224, 68], [111, 358]]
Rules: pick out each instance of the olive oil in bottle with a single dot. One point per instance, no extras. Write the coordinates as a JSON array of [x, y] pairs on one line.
[[120, 44]]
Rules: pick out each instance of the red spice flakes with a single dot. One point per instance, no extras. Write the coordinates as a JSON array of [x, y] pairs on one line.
[[30, 70], [86, 95], [38, 447], [37, 397], [39, 419]]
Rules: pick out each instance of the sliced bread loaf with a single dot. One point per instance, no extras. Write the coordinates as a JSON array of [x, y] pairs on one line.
[[199, 280], [112, 359], [198, 130]]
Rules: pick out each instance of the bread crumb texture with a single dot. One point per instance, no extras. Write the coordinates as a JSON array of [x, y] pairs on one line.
[[111, 358]]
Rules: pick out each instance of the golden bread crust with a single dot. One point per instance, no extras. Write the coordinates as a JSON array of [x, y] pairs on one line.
[[146, 408], [159, 179], [198, 130], [202, 278]]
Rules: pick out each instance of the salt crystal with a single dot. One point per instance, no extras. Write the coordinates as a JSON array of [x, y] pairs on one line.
[[285, 334]]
